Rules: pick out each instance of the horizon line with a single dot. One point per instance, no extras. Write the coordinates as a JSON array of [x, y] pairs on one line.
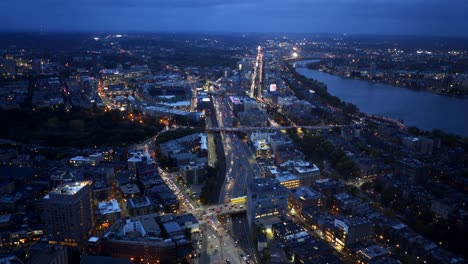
[[211, 32]]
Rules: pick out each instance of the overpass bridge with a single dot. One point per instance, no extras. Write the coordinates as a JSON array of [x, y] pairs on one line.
[[225, 209], [249, 129], [236, 205]]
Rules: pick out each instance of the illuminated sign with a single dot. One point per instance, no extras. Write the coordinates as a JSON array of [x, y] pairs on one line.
[[273, 87]]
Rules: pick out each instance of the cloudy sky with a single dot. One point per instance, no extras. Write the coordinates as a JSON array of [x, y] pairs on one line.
[[422, 17]]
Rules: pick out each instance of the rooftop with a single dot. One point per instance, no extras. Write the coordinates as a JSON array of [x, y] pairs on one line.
[[264, 184], [304, 193], [145, 229], [373, 252], [286, 176], [139, 202], [307, 169], [69, 188], [80, 158], [109, 207], [103, 260], [172, 227], [261, 144]]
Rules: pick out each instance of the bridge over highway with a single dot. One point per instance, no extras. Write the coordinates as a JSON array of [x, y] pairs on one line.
[[248, 129]]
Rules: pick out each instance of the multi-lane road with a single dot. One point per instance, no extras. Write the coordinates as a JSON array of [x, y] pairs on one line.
[[240, 163], [214, 244]]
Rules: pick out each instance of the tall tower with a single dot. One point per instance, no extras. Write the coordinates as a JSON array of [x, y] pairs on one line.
[[68, 213], [193, 100]]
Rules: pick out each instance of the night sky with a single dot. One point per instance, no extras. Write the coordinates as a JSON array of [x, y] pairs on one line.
[[422, 17]]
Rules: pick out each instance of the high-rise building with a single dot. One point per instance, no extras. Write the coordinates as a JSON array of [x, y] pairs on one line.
[[68, 213]]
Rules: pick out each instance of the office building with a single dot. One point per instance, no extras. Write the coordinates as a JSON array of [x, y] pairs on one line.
[[288, 180], [266, 198], [303, 198], [68, 213]]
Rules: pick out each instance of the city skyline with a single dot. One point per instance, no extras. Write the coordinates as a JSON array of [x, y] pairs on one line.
[[444, 18], [233, 132]]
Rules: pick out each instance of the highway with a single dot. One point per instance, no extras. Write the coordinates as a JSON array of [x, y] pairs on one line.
[[239, 170]]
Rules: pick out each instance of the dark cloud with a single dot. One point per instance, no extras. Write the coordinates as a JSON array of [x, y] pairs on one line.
[[437, 17]]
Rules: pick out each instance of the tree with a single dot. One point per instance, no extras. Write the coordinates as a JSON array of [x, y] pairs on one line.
[[366, 186], [350, 109]]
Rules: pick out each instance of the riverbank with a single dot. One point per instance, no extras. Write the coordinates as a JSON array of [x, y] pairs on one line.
[[329, 71], [427, 111]]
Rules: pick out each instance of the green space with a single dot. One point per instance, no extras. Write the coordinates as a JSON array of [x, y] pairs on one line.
[[76, 127], [319, 149]]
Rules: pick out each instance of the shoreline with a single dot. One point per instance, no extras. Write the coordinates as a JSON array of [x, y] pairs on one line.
[[387, 83], [400, 122]]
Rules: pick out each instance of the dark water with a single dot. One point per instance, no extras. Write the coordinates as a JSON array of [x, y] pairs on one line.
[[421, 109]]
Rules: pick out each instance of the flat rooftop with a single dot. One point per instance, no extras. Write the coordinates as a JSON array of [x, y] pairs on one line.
[[304, 193], [109, 207], [286, 176], [69, 188]]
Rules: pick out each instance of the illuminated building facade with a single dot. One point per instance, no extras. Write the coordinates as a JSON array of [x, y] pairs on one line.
[[288, 180], [349, 230], [266, 198], [304, 197]]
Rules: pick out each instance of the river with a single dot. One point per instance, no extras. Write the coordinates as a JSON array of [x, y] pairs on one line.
[[424, 110]]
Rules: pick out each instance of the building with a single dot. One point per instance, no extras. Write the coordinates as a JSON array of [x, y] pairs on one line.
[[349, 230], [166, 197], [288, 180], [130, 190], [193, 173], [266, 198], [253, 118], [411, 170], [261, 148], [42, 252], [103, 260], [68, 213], [108, 212], [371, 254], [140, 206], [443, 208], [138, 158], [236, 104], [82, 161], [147, 239], [303, 198], [101, 190], [280, 142], [306, 171]]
